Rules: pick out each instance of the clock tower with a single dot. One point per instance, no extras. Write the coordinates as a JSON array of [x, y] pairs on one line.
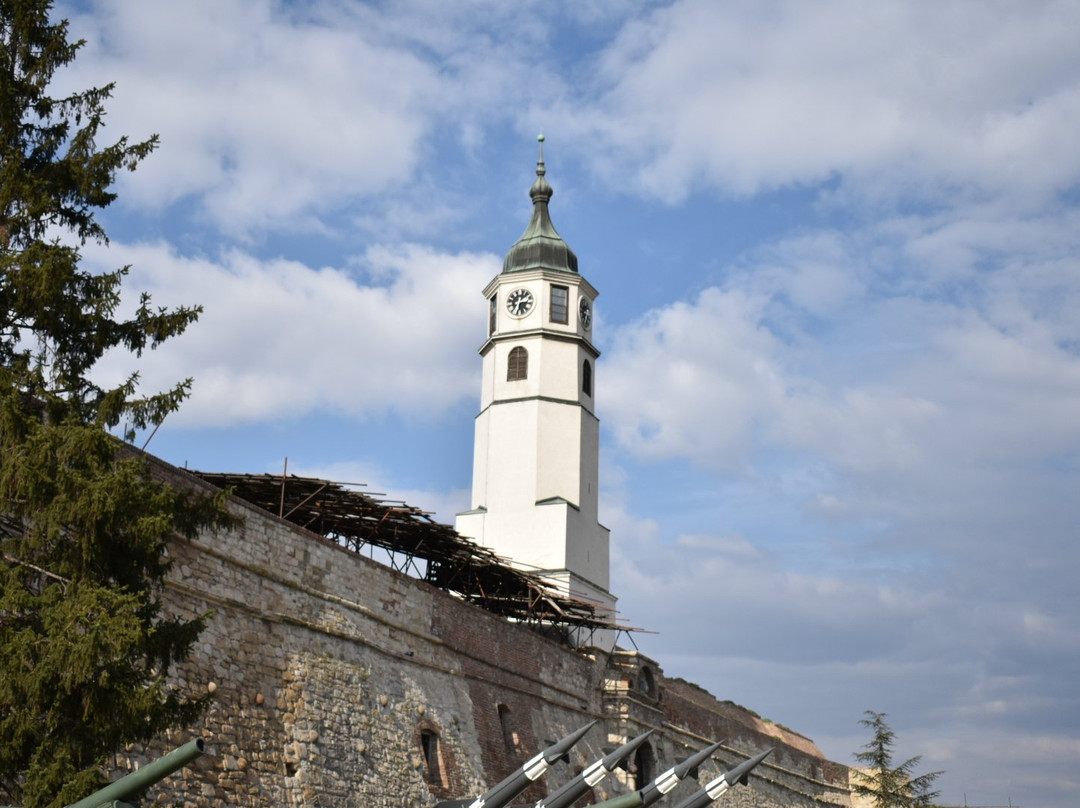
[[536, 455]]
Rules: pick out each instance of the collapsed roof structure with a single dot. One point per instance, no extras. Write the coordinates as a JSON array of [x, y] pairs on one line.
[[411, 542]]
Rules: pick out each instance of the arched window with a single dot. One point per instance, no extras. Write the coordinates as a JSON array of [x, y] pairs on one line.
[[586, 378], [517, 365], [429, 747]]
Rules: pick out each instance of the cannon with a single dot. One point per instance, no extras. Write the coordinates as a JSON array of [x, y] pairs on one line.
[[116, 794]]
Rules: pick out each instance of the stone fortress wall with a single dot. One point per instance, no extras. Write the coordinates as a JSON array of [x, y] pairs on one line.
[[337, 681]]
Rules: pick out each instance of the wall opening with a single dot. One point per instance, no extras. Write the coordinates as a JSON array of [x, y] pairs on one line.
[[647, 683], [510, 737], [644, 766], [429, 748]]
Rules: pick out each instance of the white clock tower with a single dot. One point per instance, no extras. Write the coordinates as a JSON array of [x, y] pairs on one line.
[[536, 456]]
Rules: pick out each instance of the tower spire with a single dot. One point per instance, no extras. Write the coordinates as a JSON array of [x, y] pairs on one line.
[[541, 192], [540, 246]]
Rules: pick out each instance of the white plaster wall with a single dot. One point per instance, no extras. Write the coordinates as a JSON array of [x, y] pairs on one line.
[[480, 453], [536, 453]]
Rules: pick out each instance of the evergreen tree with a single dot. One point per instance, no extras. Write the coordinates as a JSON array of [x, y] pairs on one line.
[[85, 647], [885, 785]]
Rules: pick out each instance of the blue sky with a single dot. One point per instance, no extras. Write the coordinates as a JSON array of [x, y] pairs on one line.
[[836, 246]]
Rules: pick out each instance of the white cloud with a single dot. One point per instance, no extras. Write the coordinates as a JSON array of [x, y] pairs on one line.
[[275, 117], [856, 348], [898, 99], [263, 117], [692, 380], [278, 338]]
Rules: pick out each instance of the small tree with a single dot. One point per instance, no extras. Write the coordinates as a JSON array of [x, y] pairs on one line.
[[85, 647], [885, 785]]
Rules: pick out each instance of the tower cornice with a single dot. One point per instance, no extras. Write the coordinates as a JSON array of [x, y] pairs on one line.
[[561, 336], [549, 399], [525, 275]]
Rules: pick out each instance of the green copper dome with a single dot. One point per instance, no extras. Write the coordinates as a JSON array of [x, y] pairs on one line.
[[540, 246]]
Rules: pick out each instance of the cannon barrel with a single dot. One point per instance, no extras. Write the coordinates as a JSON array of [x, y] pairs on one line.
[[631, 800], [144, 777]]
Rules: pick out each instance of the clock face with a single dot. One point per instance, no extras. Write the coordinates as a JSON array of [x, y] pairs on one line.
[[519, 302], [585, 310]]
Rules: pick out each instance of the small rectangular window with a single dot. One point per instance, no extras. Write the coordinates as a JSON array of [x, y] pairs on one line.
[[559, 307], [493, 308]]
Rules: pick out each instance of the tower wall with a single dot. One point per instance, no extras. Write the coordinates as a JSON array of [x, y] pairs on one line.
[[537, 446]]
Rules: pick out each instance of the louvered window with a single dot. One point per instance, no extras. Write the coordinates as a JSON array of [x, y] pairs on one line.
[[517, 364], [559, 308]]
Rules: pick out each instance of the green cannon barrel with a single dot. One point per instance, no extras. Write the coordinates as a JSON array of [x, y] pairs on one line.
[[144, 777], [631, 800]]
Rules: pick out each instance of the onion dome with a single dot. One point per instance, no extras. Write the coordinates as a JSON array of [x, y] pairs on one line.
[[540, 246]]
